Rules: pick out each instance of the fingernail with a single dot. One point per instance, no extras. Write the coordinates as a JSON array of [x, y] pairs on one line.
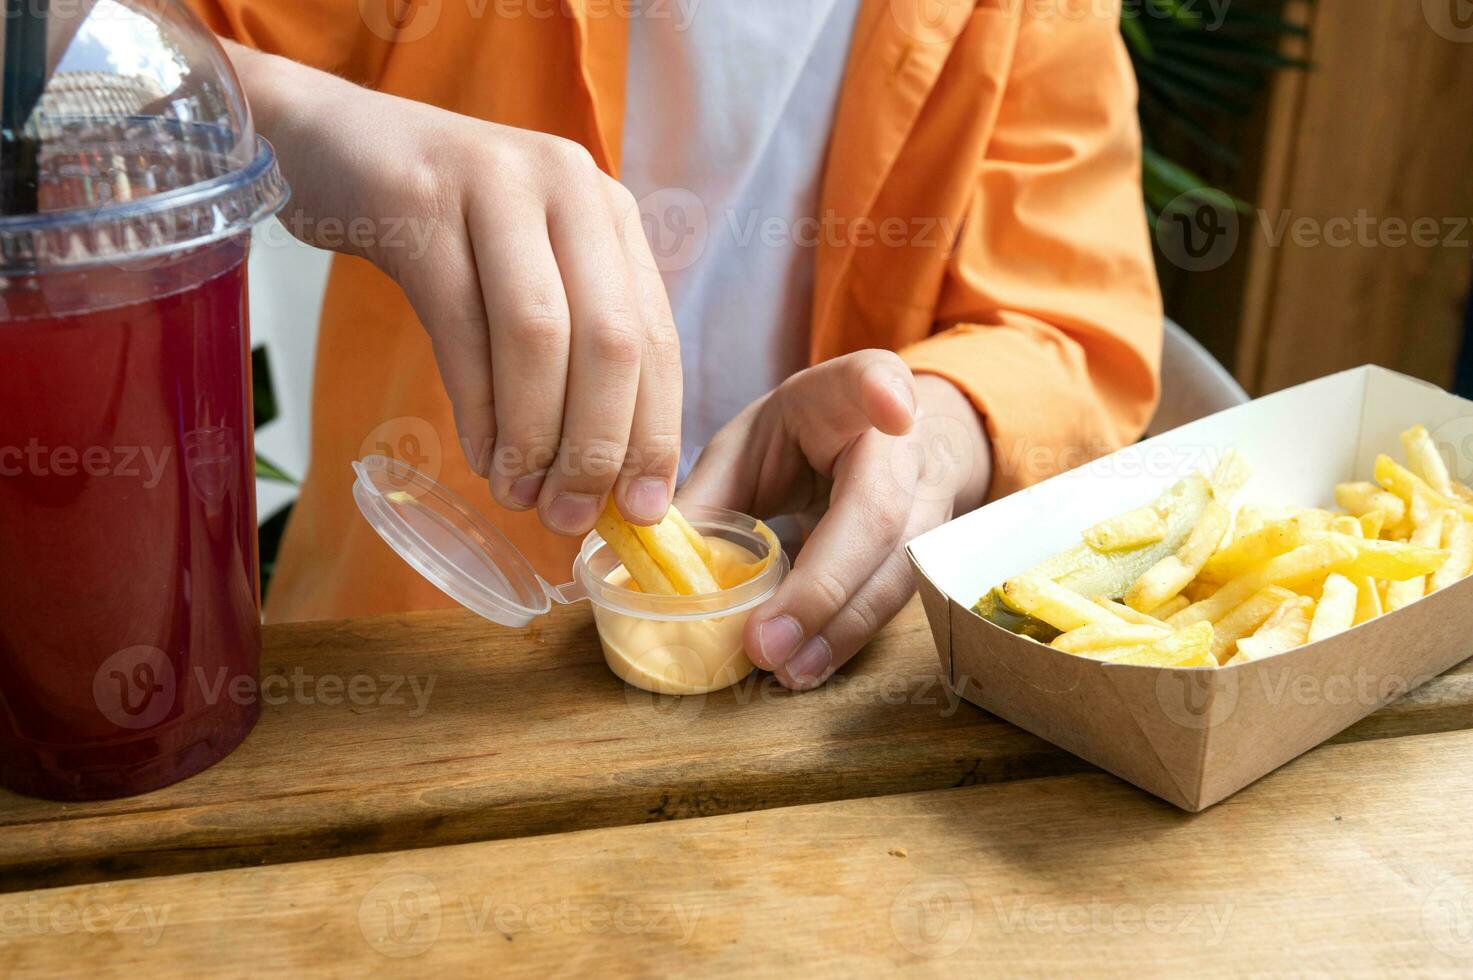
[[648, 498], [525, 491], [810, 663], [903, 392], [573, 513], [779, 637]]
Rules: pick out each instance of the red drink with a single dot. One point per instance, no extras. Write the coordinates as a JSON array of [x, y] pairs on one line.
[[129, 608], [129, 623]]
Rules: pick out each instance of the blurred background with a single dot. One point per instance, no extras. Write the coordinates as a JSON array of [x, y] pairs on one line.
[[1308, 177]]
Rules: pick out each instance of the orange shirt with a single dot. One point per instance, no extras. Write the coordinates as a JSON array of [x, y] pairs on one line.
[[981, 205]]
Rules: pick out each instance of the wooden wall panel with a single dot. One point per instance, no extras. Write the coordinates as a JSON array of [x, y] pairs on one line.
[[1380, 132]]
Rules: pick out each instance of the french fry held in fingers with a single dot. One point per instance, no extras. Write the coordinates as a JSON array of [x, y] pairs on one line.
[[662, 559], [1184, 581]]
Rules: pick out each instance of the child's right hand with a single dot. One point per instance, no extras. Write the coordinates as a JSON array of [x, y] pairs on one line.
[[549, 320]]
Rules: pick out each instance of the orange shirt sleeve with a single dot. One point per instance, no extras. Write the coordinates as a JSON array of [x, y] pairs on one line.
[[1050, 317], [350, 38]]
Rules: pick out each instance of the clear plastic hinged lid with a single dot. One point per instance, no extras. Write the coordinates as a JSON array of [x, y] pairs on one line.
[[447, 542], [124, 135]]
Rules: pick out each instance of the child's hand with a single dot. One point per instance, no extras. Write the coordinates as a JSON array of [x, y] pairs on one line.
[[877, 457], [548, 316]]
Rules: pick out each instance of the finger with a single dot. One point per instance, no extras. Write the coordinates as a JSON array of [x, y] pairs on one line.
[[647, 479], [865, 614], [450, 306], [871, 504], [529, 336], [831, 404], [604, 361]]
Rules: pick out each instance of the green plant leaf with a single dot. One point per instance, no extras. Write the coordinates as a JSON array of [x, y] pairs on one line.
[[267, 470]]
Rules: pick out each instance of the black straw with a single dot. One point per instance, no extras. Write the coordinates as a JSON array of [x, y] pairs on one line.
[[24, 80]]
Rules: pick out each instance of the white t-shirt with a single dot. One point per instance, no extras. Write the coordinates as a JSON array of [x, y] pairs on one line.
[[729, 110]]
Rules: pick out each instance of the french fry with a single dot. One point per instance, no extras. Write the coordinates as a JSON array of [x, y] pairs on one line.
[[1251, 517], [1390, 560], [1406, 485], [1128, 614], [1128, 531], [1171, 607], [697, 540], [1427, 535], [1253, 550], [1103, 636], [1335, 612], [1426, 461], [1363, 498], [1305, 562], [1368, 599], [1170, 575], [1457, 540], [1191, 647], [1312, 519], [641, 566], [1371, 524], [672, 551], [1063, 609], [1285, 630], [1245, 619]]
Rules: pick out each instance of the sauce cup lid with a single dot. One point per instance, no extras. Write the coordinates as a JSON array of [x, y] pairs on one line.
[[443, 538]]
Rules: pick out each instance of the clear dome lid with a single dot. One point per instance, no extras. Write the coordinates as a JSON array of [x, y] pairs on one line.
[[124, 135]]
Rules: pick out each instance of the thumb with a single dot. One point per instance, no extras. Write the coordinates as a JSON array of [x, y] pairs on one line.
[[830, 405]]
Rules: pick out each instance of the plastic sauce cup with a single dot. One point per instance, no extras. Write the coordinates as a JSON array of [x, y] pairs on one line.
[[662, 644]]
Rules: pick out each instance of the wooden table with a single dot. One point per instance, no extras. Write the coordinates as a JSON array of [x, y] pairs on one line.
[[426, 793]]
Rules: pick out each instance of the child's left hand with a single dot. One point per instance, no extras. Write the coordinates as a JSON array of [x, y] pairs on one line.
[[874, 456]]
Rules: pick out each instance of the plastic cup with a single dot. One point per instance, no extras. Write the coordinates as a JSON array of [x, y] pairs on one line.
[[129, 609]]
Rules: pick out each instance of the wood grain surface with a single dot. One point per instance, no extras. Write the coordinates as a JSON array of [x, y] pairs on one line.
[[1356, 859], [526, 733]]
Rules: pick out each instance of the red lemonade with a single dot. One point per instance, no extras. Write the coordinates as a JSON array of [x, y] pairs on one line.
[[129, 623]]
